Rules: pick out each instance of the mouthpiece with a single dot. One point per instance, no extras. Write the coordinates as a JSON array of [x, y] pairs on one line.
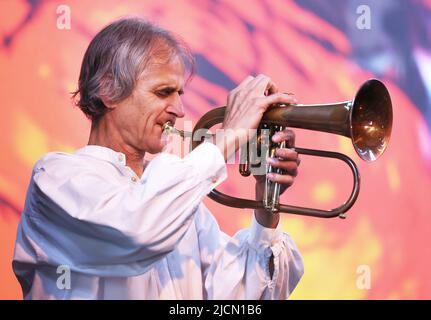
[[168, 128]]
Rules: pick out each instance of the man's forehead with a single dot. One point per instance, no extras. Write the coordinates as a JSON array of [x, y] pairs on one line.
[[171, 73]]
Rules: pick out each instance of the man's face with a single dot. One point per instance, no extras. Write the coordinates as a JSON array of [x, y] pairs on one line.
[[155, 100]]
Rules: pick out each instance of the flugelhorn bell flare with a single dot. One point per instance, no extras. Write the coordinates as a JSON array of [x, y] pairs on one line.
[[371, 120], [366, 120]]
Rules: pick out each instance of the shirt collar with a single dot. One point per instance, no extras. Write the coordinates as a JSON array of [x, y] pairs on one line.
[[103, 153]]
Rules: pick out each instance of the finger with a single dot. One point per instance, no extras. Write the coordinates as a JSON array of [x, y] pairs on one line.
[[290, 167], [281, 178], [271, 88], [287, 154], [279, 97], [261, 85], [243, 83], [251, 83], [246, 81], [285, 135], [233, 94]]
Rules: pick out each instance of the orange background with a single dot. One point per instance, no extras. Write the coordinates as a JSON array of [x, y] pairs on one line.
[[388, 229]]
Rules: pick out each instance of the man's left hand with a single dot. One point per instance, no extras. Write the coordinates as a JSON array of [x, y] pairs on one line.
[[285, 159]]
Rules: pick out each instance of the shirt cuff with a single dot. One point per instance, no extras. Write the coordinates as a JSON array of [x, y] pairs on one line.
[[209, 162], [261, 237]]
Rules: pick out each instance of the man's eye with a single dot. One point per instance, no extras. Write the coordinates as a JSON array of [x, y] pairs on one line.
[[164, 93]]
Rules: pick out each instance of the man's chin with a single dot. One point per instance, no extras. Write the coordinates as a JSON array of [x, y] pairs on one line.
[[157, 148]]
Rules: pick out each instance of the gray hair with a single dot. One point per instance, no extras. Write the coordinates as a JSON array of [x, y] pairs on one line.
[[117, 56]]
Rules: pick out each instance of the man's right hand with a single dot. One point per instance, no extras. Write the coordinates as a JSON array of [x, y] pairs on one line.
[[246, 105]]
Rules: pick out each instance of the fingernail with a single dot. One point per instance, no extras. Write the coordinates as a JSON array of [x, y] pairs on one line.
[[270, 176]]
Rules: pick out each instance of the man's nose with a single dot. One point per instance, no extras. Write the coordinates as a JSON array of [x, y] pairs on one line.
[[176, 108]]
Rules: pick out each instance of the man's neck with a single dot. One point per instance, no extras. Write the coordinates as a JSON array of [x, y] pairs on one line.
[[108, 136]]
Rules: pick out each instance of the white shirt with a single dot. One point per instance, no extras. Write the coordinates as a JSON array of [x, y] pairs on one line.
[[92, 229]]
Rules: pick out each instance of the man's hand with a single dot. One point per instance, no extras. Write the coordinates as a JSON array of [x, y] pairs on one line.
[[245, 107], [287, 160]]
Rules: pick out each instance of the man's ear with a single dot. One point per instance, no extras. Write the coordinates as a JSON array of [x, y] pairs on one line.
[[106, 87]]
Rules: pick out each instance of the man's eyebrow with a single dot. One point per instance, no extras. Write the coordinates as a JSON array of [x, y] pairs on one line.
[[170, 87]]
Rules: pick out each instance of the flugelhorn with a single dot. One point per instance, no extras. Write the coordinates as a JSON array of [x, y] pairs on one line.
[[366, 120]]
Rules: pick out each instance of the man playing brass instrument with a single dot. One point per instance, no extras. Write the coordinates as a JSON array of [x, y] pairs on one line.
[[126, 229]]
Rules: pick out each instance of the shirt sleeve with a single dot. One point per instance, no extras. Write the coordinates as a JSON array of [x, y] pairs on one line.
[[77, 216], [238, 267]]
